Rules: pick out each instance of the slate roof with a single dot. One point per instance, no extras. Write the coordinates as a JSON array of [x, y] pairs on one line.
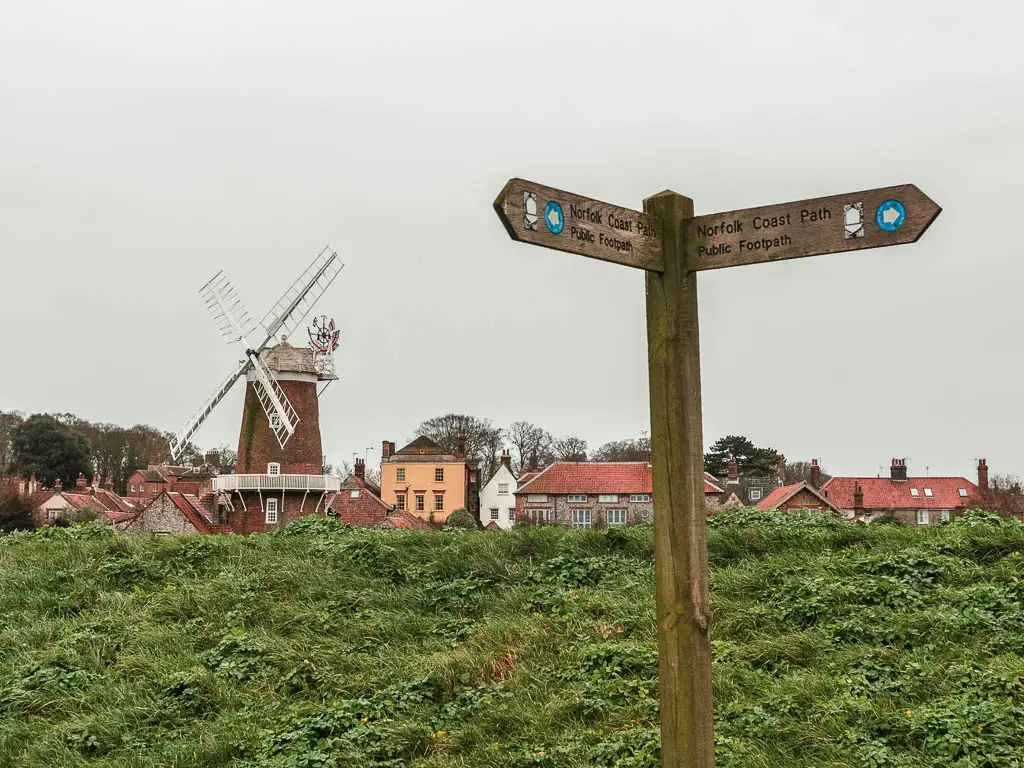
[[885, 493], [780, 496]]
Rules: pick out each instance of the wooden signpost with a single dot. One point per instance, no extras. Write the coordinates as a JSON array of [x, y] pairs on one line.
[[672, 246]]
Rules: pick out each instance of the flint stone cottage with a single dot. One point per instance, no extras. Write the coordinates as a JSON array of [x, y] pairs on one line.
[[593, 494], [912, 500]]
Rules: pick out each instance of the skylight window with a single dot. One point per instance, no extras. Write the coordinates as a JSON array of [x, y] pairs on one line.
[[928, 492], [914, 492], [963, 492]]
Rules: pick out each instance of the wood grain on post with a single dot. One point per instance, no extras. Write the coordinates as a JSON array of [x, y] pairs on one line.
[[677, 456]]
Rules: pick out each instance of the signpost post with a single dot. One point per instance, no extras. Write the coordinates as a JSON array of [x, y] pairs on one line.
[[672, 245]]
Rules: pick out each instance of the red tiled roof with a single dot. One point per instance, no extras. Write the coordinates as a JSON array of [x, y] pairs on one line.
[[884, 493], [402, 519], [591, 477], [780, 495], [597, 477], [193, 513]]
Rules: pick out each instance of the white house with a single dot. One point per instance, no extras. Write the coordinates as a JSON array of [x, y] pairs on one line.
[[497, 499]]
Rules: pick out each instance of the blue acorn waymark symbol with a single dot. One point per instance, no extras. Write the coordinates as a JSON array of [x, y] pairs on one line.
[[890, 215], [553, 217]]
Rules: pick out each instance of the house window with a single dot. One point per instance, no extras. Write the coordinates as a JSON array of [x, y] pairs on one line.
[[922, 517], [962, 492], [607, 498], [511, 514], [354, 493], [438, 502], [945, 515], [439, 475], [581, 518], [400, 474], [273, 468], [638, 497], [494, 513], [616, 517], [421, 502], [503, 489], [400, 500], [577, 498], [271, 516], [542, 515], [755, 494], [537, 498], [914, 493], [131, 488], [275, 420], [928, 492]]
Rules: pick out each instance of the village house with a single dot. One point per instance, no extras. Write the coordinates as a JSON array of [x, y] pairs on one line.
[[172, 513], [498, 499], [84, 502], [426, 480], [747, 490], [797, 496], [912, 500], [593, 494], [157, 478], [359, 503]]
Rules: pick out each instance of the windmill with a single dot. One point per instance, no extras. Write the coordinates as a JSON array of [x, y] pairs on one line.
[[236, 325]]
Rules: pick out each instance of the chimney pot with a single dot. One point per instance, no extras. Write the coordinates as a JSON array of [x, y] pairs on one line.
[[858, 498], [898, 470], [734, 471], [983, 474], [360, 470], [461, 452], [815, 474], [506, 460], [385, 449]]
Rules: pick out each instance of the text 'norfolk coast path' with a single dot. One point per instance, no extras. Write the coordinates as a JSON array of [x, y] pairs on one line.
[[554, 218], [850, 222]]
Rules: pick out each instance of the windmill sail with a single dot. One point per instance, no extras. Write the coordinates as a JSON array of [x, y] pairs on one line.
[[227, 308], [276, 405], [179, 441], [291, 309]]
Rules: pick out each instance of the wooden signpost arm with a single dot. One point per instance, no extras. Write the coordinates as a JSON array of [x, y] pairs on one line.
[[677, 457]]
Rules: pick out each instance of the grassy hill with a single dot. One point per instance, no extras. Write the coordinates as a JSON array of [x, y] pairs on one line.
[[835, 645]]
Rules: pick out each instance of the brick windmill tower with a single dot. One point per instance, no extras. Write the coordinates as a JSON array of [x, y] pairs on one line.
[[279, 471]]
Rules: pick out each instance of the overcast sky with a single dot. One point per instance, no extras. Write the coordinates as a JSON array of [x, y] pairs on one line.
[[144, 146]]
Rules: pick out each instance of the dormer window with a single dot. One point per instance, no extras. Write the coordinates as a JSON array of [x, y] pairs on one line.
[[914, 492], [928, 492], [273, 468], [275, 420]]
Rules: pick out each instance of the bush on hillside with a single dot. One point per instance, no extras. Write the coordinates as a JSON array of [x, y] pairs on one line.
[[462, 520]]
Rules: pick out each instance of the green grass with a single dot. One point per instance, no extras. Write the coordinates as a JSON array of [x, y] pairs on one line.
[[834, 645]]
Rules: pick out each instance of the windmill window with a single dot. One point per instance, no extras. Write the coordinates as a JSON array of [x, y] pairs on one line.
[[273, 468], [271, 516], [400, 474], [275, 420], [439, 475]]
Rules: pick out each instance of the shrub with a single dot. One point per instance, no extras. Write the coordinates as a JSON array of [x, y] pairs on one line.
[[462, 520]]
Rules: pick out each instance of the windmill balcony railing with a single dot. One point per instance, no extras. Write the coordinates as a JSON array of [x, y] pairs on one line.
[[276, 483]]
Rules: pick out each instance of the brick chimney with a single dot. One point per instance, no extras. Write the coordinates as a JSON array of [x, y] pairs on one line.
[[81, 483], [533, 460], [460, 452], [212, 458], [57, 484], [858, 499], [983, 474], [815, 474], [898, 470], [385, 449], [506, 460], [360, 470], [734, 471]]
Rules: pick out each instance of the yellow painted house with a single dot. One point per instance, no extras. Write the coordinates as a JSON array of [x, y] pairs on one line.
[[428, 481]]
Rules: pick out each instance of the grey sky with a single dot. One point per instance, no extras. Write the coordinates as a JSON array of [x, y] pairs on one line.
[[144, 147]]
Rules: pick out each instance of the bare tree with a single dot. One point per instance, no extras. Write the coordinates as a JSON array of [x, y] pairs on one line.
[[9, 421], [529, 440], [483, 440], [570, 448], [800, 472], [1004, 495], [631, 449]]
